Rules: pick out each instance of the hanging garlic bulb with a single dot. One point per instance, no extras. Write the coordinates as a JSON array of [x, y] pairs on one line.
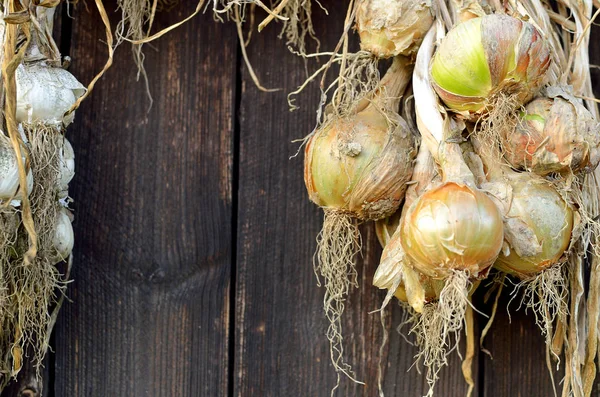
[[483, 59], [66, 170], [555, 134], [45, 94], [9, 173], [64, 238], [389, 27]]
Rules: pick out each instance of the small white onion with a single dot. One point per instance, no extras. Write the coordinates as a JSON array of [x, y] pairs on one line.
[[66, 165], [63, 235], [45, 93]]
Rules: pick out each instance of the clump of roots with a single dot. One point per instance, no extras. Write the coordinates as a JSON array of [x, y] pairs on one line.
[[298, 24], [438, 328], [546, 294], [34, 284], [337, 245], [136, 21], [501, 119]]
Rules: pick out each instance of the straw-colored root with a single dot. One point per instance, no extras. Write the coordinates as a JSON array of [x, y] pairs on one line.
[[547, 296], [299, 25], [439, 323], [500, 120], [467, 364], [34, 285], [337, 246]]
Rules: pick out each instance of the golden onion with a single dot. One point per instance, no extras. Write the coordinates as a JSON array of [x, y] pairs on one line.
[[483, 58], [359, 166], [452, 227], [389, 27]]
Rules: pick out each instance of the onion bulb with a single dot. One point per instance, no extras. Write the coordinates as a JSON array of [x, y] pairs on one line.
[[452, 227], [484, 58], [536, 207], [63, 235], [555, 134], [45, 94], [389, 27]]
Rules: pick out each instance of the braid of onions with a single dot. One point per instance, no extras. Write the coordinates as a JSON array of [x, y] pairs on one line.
[[36, 234], [356, 169], [450, 234]]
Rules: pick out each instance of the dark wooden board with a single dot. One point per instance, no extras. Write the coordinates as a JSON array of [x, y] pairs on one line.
[[281, 349], [153, 211]]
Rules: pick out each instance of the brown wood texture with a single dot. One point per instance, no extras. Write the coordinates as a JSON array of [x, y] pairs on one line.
[[153, 213], [194, 236]]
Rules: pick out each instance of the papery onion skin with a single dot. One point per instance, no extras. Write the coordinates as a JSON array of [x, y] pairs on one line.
[[554, 135], [66, 165], [390, 27], [539, 206], [359, 166], [452, 227], [484, 57]]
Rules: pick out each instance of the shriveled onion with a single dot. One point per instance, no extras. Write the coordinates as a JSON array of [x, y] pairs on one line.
[[9, 174], [389, 27], [484, 58], [45, 94], [555, 134]]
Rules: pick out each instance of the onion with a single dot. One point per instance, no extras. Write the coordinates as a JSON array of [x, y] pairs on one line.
[[64, 238], [484, 58], [45, 94], [452, 227], [555, 134], [389, 27]]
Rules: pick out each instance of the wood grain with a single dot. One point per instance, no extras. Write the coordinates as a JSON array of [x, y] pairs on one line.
[[153, 211]]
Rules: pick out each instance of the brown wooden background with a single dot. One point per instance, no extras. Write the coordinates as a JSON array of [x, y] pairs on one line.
[[194, 235]]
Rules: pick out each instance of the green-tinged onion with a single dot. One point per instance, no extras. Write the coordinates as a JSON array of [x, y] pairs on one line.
[[389, 27], [554, 134], [487, 57]]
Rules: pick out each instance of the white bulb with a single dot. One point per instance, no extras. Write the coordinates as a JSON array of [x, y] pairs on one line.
[[63, 235], [66, 166], [45, 94]]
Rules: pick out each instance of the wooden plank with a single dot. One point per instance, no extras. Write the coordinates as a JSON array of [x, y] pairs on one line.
[[153, 212], [281, 349]]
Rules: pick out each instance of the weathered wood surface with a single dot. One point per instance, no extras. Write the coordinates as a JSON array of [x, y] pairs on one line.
[[193, 263], [153, 215]]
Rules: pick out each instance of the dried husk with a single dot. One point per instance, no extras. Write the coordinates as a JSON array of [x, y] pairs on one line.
[[555, 134], [499, 56], [388, 27]]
